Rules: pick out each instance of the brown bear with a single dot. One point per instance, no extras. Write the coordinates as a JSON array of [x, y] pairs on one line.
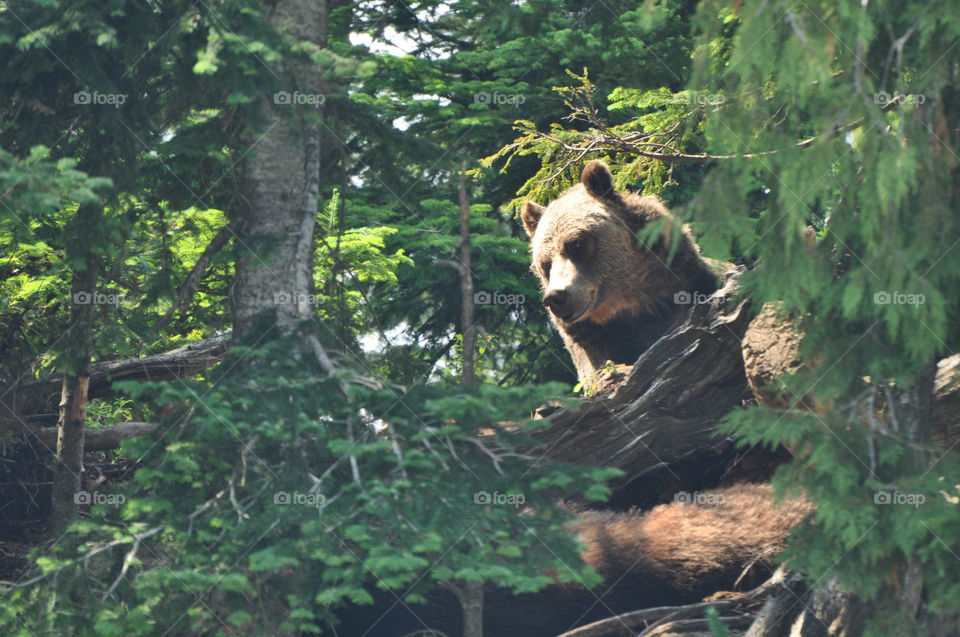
[[676, 553], [610, 296]]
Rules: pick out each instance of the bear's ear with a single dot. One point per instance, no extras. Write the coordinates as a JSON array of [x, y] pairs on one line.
[[530, 214], [598, 181]]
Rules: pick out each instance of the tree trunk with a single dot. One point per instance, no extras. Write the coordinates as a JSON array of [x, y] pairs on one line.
[[468, 330], [76, 380], [272, 292], [470, 595], [466, 286]]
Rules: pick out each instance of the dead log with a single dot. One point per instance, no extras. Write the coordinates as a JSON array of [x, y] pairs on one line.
[[771, 348], [99, 439], [32, 405], [658, 426], [177, 363], [946, 403]]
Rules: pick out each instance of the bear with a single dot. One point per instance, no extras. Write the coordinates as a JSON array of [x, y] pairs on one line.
[[675, 553], [609, 296]]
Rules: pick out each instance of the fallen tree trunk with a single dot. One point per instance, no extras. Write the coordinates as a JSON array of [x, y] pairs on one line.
[[99, 439], [658, 426], [33, 405], [177, 363]]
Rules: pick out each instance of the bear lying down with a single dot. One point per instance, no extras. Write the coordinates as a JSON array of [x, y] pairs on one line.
[[609, 296], [673, 554]]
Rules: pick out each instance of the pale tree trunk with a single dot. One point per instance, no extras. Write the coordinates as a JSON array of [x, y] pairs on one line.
[[464, 270], [466, 288], [272, 291], [470, 594], [76, 380]]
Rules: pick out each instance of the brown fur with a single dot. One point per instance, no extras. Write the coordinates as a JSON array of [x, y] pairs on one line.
[[609, 296], [673, 554], [685, 546]]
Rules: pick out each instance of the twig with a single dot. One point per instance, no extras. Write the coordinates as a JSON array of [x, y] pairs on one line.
[[86, 558], [128, 559], [663, 616]]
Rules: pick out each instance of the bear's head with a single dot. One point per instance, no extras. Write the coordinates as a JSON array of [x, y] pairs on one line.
[[586, 254]]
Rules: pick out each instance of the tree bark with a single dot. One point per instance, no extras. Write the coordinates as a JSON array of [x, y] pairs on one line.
[[466, 286], [76, 379], [272, 291], [464, 268], [470, 595]]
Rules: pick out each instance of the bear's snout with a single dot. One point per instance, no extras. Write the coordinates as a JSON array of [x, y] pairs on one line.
[[555, 299], [568, 292], [569, 304]]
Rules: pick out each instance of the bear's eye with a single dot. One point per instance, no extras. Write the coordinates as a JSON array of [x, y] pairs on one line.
[[576, 248], [545, 268]]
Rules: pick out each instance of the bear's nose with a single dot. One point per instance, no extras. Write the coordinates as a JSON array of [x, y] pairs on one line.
[[555, 298]]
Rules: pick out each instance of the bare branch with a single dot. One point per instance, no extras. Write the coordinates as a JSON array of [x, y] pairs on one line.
[[192, 283]]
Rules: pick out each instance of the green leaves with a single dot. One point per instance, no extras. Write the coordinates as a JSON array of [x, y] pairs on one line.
[[832, 178]]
